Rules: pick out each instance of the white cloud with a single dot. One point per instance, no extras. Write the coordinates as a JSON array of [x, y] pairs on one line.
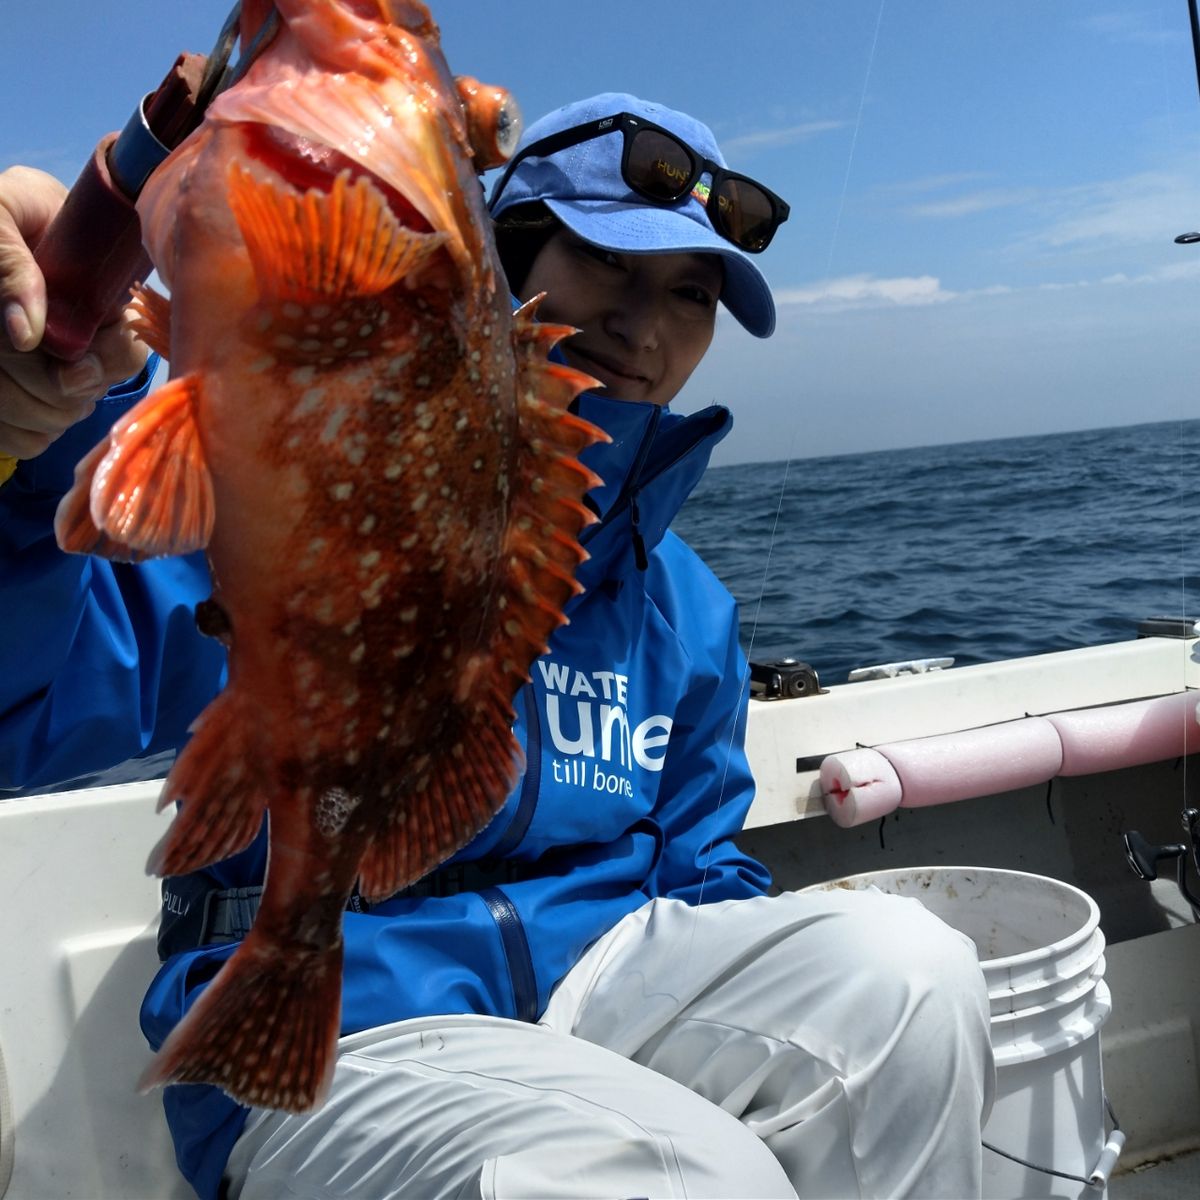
[[1129, 27], [769, 139], [935, 183], [920, 291], [1152, 206], [867, 291], [973, 202]]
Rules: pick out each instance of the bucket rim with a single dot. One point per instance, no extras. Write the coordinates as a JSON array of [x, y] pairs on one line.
[[1068, 1036], [1023, 959]]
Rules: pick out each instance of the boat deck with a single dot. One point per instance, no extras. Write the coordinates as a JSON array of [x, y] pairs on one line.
[[1169, 1179]]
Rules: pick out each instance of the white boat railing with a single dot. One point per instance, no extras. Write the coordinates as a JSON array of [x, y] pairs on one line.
[[77, 946]]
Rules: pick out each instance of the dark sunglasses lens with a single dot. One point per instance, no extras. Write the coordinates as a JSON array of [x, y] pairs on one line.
[[746, 214], [658, 166]]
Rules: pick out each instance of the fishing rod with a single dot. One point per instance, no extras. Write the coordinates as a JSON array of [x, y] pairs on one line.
[[1186, 239], [1143, 855]]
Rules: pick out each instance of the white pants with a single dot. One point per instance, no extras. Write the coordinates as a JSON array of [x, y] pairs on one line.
[[810, 1044]]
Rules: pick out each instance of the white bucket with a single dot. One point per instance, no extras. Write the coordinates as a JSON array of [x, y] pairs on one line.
[[1042, 954]]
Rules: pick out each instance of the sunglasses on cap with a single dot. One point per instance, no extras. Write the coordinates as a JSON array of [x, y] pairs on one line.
[[662, 168]]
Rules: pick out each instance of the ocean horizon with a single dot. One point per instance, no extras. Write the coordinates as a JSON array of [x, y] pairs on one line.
[[978, 550]]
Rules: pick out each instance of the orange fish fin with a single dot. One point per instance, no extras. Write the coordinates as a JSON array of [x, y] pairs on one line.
[[454, 797], [223, 801], [153, 321], [314, 246], [152, 490], [73, 525], [264, 1031]]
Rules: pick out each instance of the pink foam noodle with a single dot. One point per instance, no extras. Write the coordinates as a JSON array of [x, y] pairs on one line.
[[868, 783], [859, 786], [975, 762], [1127, 735]]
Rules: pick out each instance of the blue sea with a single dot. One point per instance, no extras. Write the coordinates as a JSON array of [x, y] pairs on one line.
[[975, 551]]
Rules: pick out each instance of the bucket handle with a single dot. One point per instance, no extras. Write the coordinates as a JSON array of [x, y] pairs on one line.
[[1098, 1176]]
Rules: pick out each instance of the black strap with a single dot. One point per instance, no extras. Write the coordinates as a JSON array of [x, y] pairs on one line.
[[197, 911]]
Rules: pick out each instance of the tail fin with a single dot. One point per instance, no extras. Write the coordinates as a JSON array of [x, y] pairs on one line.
[[264, 1031]]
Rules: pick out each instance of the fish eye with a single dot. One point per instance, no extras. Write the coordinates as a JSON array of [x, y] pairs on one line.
[[494, 121]]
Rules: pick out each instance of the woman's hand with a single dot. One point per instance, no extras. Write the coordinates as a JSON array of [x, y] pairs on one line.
[[41, 397]]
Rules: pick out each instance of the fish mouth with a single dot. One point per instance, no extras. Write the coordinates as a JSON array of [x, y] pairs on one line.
[[308, 164]]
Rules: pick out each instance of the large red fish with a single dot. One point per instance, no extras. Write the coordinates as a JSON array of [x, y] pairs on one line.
[[379, 460]]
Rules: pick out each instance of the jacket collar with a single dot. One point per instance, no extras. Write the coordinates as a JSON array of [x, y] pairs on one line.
[[655, 459]]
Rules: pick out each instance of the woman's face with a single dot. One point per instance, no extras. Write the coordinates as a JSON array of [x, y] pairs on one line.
[[645, 320]]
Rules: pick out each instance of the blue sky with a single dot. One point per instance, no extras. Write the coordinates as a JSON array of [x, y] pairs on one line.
[[984, 195]]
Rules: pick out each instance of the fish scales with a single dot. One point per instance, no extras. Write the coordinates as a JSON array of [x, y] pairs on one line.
[[378, 459]]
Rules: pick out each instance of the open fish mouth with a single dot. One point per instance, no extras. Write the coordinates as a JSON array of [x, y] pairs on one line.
[[307, 164]]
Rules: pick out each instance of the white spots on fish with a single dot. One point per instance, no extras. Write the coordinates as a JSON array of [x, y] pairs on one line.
[[368, 523], [352, 627], [310, 400], [384, 732], [319, 312], [425, 420], [393, 471], [311, 345], [365, 330], [358, 653], [408, 615], [351, 758], [260, 365], [283, 341], [431, 471], [409, 540], [369, 560], [263, 323], [403, 650], [340, 343], [461, 423], [355, 449], [333, 809], [304, 671], [336, 419], [422, 381], [477, 465], [350, 698], [342, 491], [419, 502], [371, 595]]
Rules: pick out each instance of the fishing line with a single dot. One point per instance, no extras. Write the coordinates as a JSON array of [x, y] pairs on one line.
[[744, 683], [862, 101]]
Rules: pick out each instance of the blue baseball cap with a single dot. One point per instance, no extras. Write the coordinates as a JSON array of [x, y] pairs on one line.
[[582, 186]]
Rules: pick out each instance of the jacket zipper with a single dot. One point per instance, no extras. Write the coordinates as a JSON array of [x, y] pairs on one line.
[[516, 953], [530, 785]]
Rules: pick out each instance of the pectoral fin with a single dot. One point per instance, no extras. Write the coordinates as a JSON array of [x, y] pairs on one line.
[[149, 492]]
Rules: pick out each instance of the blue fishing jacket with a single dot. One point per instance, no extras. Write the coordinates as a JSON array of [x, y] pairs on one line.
[[632, 727]]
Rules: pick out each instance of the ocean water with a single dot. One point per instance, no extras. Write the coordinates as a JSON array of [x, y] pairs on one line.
[[976, 551]]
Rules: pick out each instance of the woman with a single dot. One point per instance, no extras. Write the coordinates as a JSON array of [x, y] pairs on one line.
[[597, 996]]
